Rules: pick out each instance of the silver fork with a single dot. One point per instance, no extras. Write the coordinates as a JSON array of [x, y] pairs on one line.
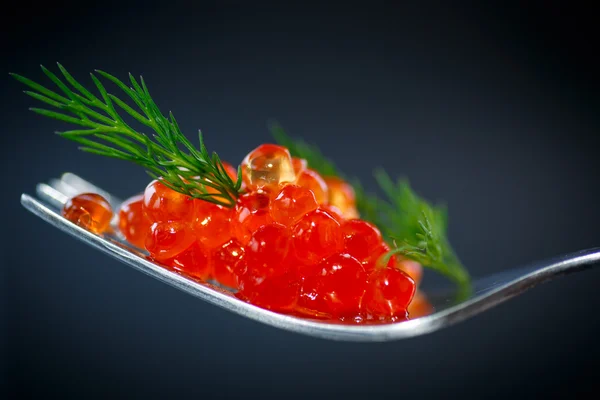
[[486, 292]]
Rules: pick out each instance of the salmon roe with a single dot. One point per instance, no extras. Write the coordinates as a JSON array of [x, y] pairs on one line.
[[250, 213], [388, 293], [133, 222], [292, 243], [164, 204], [167, 239], [292, 203], [212, 223], [342, 196], [316, 236], [267, 166], [90, 211], [310, 179], [193, 261], [225, 260], [299, 164]]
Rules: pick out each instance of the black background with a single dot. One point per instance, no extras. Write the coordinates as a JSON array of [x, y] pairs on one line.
[[492, 108]]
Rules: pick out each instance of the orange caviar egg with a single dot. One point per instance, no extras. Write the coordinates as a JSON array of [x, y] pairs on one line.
[[277, 293], [335, 286], [411, 267], [310, 179], [164, 204], [250, 213], [335, 212], [133, 222], [167, 239], [341, 195], [419, 306], [299, 164], [193, 261], [316, 236], [292, 203], [265, 252], [388, 293], [361, 240], [267, 166], [374, 259], [212, 223], [90, 211], [225, 259]]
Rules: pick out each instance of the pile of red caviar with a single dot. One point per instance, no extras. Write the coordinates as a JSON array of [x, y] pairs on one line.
[[293, 243]]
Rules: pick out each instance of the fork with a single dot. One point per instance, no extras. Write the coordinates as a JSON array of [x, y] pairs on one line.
[[486, 292]]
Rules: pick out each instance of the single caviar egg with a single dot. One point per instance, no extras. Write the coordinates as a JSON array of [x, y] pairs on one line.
[[335, 212], [335, 286], [277, 293], [167, 239], [299, 164], [250, 213], [224, 262], [90, 211], [292, 203], [316, 236], [193, 261], [342, 196], [311, 179], [133, 222], [267, 166], [361, 240], [212, 223], [266, 251], [388, 294], [164, 204], [419, 306], [411, 267], [376, 255]]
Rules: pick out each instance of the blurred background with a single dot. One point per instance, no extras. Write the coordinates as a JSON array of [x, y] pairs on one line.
[[490, 108]]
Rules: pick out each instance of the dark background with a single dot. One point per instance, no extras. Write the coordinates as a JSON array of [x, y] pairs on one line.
[[492, 108]]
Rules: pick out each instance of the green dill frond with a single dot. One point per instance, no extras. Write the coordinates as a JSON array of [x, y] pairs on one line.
[[167, 154]]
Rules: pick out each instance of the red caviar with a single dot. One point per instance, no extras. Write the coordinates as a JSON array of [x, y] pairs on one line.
[[292, 203], [299, 164], [388, 293], [167, 239], [362, 240], [310, 179], [342, 196], [265, 252], [224, 260], [133, 222], [90, 211], [193, 261], [292, 242], [335, 286], [250, 213], [316, 236], [212, 224], [267, 166], [164, 204]]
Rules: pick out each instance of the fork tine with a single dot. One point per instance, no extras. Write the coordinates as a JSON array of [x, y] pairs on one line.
[[53, 196], [65, 188], [81, 185]]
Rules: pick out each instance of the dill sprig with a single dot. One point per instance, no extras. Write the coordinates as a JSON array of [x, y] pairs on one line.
[[167, 155], [416, 228]]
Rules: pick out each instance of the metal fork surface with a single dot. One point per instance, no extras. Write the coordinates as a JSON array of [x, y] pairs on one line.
[[487, 292]]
